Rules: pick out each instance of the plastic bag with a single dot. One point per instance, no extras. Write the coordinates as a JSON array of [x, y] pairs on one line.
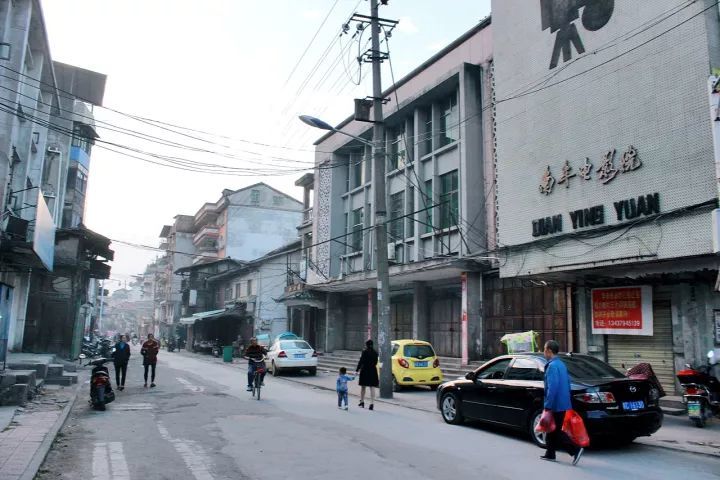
[[574, 427], [546, 423]]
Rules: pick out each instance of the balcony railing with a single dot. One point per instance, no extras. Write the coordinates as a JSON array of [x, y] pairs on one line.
[[206, 232], [308, 215]]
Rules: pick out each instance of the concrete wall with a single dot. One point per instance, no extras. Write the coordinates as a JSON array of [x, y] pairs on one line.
[[591, 104]]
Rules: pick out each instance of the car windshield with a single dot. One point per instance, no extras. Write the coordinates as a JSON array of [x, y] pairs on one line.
[[418, 351], [582, 367], [295, 345]]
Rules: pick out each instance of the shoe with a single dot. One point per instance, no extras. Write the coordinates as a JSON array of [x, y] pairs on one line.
[[549, 459], [145, 386], [345, 407], [121, 388], [249, 388], [576, 457], [152, 385], [371, 407], [361, 404]]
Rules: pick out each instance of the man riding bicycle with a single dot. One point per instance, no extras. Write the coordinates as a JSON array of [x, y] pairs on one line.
[[255, 355]]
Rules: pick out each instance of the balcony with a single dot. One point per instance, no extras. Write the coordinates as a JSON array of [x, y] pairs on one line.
[[205, 234], [79, 155], [307, 217]]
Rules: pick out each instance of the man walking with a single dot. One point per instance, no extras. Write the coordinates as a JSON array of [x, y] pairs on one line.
[[557, 400], [149, 352], [121, 356]]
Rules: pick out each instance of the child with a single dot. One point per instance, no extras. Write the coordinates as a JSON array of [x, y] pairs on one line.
[[342, 388]]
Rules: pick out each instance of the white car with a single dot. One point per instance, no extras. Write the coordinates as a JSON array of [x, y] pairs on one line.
[[293, 354]]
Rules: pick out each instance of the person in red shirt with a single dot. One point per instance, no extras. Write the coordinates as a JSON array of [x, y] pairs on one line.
[[149, 352]]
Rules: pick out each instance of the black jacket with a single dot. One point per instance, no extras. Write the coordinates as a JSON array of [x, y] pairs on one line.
[[367, 366], [121, 355]]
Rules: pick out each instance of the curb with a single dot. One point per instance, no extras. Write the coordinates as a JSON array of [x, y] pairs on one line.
[[40, 454], [677, 449]]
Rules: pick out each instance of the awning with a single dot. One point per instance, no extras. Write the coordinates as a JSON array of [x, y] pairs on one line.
[[199, 316]]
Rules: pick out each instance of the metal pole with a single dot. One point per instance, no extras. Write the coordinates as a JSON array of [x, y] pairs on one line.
[[381, 258], [102, 298]]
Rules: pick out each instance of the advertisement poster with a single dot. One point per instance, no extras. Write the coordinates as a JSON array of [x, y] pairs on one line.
[[622, 311]]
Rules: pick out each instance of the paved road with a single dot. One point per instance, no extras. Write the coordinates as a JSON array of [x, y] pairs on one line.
[[201, 424]]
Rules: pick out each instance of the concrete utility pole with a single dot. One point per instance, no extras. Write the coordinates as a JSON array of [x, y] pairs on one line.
[[381, 253]]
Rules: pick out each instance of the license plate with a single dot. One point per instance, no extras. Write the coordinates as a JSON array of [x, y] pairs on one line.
[[693, 409], [639, 405], [421, 364], [299, 355]]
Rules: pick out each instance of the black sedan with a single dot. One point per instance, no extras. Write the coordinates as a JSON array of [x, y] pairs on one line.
[[509, 390]]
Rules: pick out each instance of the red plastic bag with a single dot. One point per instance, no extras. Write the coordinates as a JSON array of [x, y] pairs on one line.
[[574, 427], [546, 423]]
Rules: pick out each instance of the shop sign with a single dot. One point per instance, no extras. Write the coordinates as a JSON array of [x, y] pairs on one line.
[[622, 311]]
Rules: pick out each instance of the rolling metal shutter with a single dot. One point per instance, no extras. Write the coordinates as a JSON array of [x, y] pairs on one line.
[[656, 350]]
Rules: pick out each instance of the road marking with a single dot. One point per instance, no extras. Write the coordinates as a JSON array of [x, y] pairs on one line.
[[129, 407], [109, 462], [190, 386], [191, 452]]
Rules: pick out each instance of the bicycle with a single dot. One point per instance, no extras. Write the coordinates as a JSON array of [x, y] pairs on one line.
[[257, 378]]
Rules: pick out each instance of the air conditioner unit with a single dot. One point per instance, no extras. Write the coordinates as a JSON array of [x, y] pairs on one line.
[[55, 150], [391, 253]]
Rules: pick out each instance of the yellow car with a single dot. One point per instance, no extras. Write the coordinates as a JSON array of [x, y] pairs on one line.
[[414, 363]]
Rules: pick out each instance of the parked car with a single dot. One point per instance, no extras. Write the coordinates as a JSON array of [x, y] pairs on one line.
[[297, 354], [508, 390], [414, 363]]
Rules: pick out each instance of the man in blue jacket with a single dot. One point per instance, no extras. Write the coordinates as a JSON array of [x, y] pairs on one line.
[[557, 400]]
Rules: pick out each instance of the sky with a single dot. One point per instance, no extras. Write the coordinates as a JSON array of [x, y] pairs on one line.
[[233, 70]]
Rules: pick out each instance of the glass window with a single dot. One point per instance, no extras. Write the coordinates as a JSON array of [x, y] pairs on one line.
[[395, 348], [238, 290], [410, 210], [418, 351], [428, 131], [397, 209], [249, 287], [356, 229], [295, 344], [524, 369], [398, 152], [449, 199], [584, 367], [254, 196], [357, 170], [496, 370], [277, 200], [428, 201], [449, 120], [228, 293]]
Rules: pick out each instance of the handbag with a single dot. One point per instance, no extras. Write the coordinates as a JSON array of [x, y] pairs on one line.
[[574, 427], [546, 423]]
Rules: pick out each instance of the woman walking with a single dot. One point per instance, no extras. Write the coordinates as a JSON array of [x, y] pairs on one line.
[[367, 369]]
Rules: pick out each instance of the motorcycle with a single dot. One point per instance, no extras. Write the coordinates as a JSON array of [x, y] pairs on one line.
[[216, 350], [101, 392], [702, 391], [171, 346]]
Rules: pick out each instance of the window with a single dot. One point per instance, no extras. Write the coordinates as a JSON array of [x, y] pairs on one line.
[[428, 201], [238, 290], [395, 348], [80, 140], [254, 196], [494, 371], [419, 351], [295, 345], [449, 199], [410, 210], [356, 173], [584, 367], [81, 181], [524, 369], [356, 230], [449, 120], [277, 200], [250, 287], [397, 208], [243, 288], [228, 293], [398, 153], [428, 131]]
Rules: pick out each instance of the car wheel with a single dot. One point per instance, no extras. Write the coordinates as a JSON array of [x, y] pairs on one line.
[[275, 370], [540, 438], [396, 386], [312, 371], [450, 409]]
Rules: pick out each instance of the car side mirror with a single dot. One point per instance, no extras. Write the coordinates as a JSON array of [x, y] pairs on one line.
[[470, 376]]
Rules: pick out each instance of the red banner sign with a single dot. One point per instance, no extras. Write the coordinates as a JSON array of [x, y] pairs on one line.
[[622, 311]]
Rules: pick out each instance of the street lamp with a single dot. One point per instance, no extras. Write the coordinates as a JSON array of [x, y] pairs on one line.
[[381, 249]]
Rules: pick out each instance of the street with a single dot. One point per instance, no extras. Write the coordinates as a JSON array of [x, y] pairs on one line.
[[200, 423]]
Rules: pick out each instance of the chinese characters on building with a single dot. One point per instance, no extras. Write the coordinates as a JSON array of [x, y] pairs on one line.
[[607, 170]]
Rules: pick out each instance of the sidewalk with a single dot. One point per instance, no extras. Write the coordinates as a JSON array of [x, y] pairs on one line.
[[677, 432], [26, 434]]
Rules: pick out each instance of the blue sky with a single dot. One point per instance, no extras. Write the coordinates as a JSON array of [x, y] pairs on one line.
[[221, 66]]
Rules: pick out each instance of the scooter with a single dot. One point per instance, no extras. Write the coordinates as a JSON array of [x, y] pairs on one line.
[[702, 391], [101, 392], [216, 349]]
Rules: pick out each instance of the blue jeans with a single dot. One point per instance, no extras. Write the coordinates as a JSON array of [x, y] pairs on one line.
[[342, 397], [252, 366]]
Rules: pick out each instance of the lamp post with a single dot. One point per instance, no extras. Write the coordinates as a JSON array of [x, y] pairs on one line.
[[383, 274]]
